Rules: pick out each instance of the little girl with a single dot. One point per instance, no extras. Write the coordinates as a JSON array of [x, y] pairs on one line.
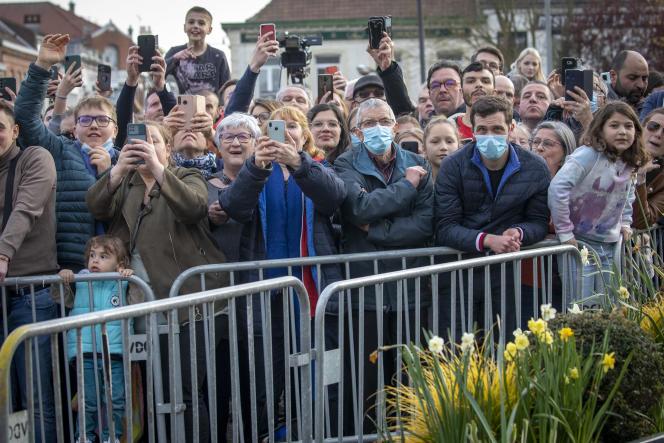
[[103, 253], [591, 195]]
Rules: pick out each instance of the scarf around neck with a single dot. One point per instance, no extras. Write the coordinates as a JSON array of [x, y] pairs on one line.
[[205, 163]]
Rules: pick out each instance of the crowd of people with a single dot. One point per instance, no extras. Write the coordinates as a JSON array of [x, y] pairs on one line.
[[497, 160]]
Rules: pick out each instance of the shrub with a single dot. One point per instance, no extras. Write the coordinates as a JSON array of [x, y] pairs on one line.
[[642, 387]]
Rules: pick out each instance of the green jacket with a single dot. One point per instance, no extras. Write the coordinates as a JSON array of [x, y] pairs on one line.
[[171, 233]]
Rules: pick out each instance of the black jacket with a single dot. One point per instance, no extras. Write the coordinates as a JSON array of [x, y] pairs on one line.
[[466, 206], [399, 216]]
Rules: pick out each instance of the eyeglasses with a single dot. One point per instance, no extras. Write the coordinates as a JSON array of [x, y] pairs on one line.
[[653, 126], [447, 84], [332, 124], [242, 138], [490, 65], [263, 116], [101, 120], [548, 144], [366, 94], [373, 123]]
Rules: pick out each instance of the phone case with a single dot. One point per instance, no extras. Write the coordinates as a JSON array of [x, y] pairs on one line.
[[147, 45], [276, 130], [72, 60], [325, 84], [580, 78], [7, 82], [104, 77], [267, 27], [191, 105]]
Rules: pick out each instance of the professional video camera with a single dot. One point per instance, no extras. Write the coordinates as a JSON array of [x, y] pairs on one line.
[[296, 56]]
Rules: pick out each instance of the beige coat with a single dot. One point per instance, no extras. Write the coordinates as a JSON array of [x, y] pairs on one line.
[[171, 233]]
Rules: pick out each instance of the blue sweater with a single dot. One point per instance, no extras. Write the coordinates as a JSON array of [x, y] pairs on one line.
[[75, 224]]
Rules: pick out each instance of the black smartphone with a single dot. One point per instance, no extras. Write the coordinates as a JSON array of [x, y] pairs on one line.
[[72, 60], [137, 131], [325, 84], [565, 64], [104, 77], [378, 25], [147, 48], [54, 72], [411, 146], [7, 82], [582, 78]]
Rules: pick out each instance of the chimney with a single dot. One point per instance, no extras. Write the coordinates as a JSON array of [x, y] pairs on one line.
[[72, 7], [130, 32]]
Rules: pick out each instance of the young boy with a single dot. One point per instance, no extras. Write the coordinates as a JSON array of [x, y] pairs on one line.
[[197, 66]]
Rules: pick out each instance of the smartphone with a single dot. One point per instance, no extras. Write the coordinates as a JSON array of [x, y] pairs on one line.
[[55, 74], [137, 131], [268, 27], [411, 146], [276, 130], [325, 84], [72, 60], [378, 25], [191, 105], [331, 70], [7, 82], [147, 48], [104, 77], [582, 78], [565, 64]]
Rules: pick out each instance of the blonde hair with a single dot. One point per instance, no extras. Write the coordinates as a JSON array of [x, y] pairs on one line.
[[441, 120], [97, 102], [539, 75], [294, 114]]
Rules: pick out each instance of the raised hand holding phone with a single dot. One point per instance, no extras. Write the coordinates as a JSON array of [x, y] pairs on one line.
[[287, 153], [267, 46], [158, 71], [384, 54], [264, 153], [134, 61]]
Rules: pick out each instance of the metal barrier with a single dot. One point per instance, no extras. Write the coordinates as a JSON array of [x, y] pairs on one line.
[[642, 255], [34, 296], [25, 335], [353, 353]]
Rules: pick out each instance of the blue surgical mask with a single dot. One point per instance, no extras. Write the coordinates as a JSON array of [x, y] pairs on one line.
[[108, 146], [491, 147], [354, 140], [593, 103], [377, 139]]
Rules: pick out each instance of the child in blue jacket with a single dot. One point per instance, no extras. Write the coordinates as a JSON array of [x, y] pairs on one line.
[[103, 253]]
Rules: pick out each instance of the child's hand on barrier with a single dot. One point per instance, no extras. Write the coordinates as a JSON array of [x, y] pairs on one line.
[[126, 272], [67, 276]]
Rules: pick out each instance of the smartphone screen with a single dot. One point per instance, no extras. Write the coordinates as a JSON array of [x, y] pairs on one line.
[[325, 84], [268, 27], [565, 64], [137, 131], [104, 77]]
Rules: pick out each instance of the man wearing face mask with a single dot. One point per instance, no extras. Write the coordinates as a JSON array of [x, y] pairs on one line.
[[491, 195], [389, 205]]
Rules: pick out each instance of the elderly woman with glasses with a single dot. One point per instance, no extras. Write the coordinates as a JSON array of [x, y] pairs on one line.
[[553, 141]]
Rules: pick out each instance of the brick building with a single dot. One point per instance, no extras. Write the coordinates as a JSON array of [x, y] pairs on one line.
[[18, 48]]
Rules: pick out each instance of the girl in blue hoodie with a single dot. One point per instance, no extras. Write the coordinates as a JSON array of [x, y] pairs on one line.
[[103, 253]]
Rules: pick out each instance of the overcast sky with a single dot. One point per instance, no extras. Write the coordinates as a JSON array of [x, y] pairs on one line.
[[165, 17]]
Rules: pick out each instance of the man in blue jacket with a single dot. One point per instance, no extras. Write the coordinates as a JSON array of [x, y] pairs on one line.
[[388, 205], [490, 195]]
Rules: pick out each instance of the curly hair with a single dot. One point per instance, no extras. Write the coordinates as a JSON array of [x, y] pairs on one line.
[[636, 155]]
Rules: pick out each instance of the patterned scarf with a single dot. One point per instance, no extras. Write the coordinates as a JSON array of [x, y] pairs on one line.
[[206, 163]]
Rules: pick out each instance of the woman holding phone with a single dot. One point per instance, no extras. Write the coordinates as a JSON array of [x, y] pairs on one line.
[[285, 194]]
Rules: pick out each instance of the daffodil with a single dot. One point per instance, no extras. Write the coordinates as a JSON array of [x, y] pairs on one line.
[[546, 337], [436, 344], [623, 293], [510, 351], [575, 309], [548, 312], [467, 342], [517, 332], [608, 361], [566, 334], [521, 342], [574, 373], [537, 327]]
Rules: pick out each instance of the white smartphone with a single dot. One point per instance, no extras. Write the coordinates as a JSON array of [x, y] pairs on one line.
[[276, 130]]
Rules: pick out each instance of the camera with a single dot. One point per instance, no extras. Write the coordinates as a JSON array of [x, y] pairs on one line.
[[296, 56]]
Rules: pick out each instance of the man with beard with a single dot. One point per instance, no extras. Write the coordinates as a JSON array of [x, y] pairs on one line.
[[535, 100], [629, 78], [476, 81]]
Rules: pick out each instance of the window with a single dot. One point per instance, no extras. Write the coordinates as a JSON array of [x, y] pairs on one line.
[[111, 56], [30, 19], [324, 61], [269, 78]]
